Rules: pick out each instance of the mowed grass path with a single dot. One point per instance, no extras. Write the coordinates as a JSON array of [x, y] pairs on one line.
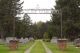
[[54, 48], [21, 49], [38, 48]]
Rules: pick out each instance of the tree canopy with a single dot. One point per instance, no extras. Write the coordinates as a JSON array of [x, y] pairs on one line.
[[70, 18]]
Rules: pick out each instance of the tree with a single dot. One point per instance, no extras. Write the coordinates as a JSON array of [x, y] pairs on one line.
[[46, 35], [23, 26], [8, 14], [38, 29], [34, 30], [70, 15], [55, 23]]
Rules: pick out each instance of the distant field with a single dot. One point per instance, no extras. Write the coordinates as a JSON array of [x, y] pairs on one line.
[[21, 49], [54, 48]]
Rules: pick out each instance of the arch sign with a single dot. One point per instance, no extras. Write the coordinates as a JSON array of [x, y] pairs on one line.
[[39, 11]]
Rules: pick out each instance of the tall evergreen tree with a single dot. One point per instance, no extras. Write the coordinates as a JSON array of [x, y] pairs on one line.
[[23, 26], [8, 11], [70, 17]]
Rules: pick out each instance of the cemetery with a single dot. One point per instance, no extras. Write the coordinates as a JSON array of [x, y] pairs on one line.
[[54, 40], [21, 48], [39, 26], [39, 47]]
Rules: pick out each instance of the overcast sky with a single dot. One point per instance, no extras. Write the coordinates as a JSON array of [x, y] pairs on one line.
[[42, 4]]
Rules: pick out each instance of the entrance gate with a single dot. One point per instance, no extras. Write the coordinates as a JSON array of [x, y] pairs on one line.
[[40, 11]]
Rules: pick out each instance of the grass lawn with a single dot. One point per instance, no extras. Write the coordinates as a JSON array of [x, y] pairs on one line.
[[21, 49], [54, 48], [38, 48]]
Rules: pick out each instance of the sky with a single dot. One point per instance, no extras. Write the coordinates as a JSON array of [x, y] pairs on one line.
[[41, 4]]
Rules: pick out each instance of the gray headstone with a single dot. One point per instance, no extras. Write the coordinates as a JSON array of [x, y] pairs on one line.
[[31, 39], [54, 40], [2, 41], [23, 40], [10, 38], [77, 42]]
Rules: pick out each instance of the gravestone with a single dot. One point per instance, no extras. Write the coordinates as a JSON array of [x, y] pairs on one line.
[[8, 39], [2, 41], [23, 40], [31, 39], [26, 40], [77, 42], [54, 40]]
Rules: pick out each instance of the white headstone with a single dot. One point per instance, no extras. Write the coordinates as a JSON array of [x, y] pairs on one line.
[[10, 38], [23, 40], [26, 40], [31, 38], [77, 42], [54, 40], [2, 41]]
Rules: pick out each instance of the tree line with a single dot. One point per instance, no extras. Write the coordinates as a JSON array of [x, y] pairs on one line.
[[70, 10], [11, 25]]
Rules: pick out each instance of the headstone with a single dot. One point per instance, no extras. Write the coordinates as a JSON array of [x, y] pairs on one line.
[[26, 40], [77, 42], [54, 40], [31, 39], [2, 41], [23, 40], [10, 38]]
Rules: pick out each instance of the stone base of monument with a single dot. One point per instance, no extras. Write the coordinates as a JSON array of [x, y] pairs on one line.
[[13, 44], [62, 43]]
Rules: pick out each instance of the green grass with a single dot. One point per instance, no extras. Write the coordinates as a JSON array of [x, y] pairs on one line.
[[21, 49], [70, 49], [38, 48]]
